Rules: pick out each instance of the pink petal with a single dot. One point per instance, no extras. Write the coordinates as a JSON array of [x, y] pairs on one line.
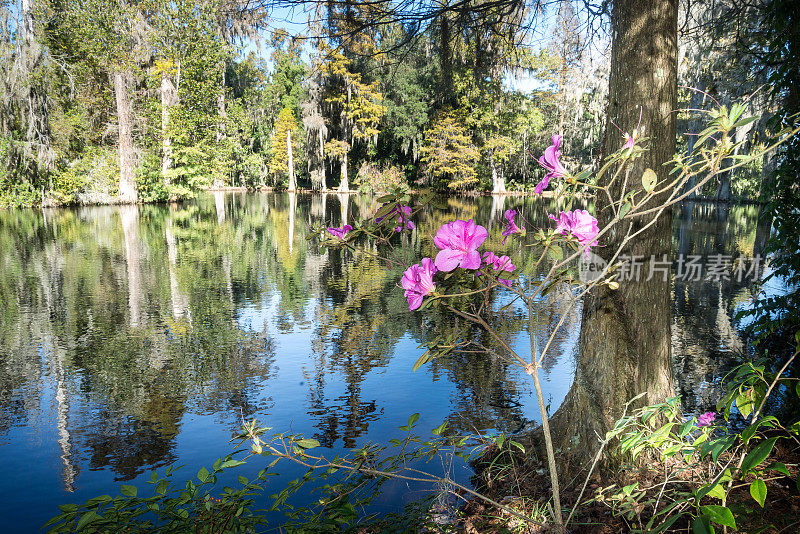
[[448, 259]]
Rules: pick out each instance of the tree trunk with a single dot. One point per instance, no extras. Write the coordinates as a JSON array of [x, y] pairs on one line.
[[344, 184], [625, 344], [127, 182], [292, 179], [498, 181], [324, 185], [218, 179], [168, 96]]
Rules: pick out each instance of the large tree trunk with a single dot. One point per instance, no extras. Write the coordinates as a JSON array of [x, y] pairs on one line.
[[292, 179], [168, 98], [219, 180], [127, 182], [324, 185], [498, 180], [624, 344], [344, 183]]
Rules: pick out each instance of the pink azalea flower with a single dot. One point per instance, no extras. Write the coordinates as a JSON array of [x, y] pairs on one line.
[[339, 232], [630, 142], [459, 242], [550, 161], [580, 225], [706, 419], [404, 218], [511, 226], [542, 185], [502, 263], [418, 282]]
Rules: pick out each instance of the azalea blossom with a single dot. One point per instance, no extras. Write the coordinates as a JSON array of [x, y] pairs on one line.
[[339, 232], [403, 214], [579, 224], [502, 263], [511, 226], [706, 419], [550, 161], [630, 142], [418, 282], [459, 242], [542, 185]]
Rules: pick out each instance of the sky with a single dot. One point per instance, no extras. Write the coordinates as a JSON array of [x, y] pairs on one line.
[[294, 20]]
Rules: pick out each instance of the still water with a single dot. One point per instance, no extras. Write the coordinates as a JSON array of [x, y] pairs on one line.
[[136, 337]]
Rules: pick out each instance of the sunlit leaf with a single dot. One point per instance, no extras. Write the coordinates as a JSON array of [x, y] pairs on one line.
[[719, 514], [649, 180], [760, 453], [758, 490]]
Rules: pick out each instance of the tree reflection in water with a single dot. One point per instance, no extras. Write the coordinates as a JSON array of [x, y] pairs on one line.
[[122, 327]]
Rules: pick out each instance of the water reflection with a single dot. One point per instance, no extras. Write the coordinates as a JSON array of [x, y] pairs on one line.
[[705, 341], [137, 336]]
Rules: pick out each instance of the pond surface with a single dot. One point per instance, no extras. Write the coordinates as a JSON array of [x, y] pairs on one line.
[[136, 337]]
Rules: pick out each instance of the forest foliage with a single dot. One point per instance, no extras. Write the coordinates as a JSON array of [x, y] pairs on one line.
[[103, 100]]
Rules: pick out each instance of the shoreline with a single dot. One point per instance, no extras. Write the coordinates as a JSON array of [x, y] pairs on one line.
[[546, 195]]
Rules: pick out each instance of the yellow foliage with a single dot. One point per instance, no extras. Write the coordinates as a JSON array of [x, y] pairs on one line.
[[448, 152]]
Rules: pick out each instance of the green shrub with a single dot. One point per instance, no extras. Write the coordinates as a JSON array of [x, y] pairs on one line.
[[372, 178], [93, 178]]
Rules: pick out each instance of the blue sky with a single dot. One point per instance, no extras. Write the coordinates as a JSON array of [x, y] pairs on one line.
[[294, 21]]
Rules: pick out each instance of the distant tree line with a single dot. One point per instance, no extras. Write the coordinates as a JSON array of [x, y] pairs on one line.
[[107, 101]]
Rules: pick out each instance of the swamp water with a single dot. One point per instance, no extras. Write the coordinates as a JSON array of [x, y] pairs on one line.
[[136, 337]]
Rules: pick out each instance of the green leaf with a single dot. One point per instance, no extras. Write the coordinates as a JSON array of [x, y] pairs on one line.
[[439, 429], [162, 486], [202, 475], [745, 121], [719, 514], [517, 445], [555, 252], [413, 419], [231, 463], [128, 490], [307, 443], [720, 445], [686, 427], [781, 468], [758, 454], [758, 490], [744, 403], [87, 518], [385, 210], [702, 525], [623, 210], [649, 180], [716, 491], [422, 360], [665, 524]]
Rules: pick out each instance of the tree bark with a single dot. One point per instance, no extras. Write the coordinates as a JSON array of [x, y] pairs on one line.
[[324, 185], [498, 181], [344, 184], [625, 343], [168, 97], [292, 179], [127, 182]]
